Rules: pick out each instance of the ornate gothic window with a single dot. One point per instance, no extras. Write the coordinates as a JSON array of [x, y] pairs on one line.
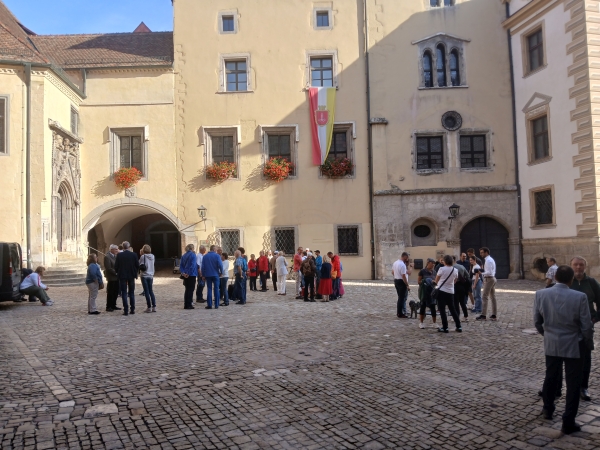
[[441, 61]]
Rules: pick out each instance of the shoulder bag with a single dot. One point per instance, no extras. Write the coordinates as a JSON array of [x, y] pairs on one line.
[[436, 291], [143, 266]]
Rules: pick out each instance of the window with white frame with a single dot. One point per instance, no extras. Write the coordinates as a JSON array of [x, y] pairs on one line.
[[234, 74], [442, 61], [3, 125], [130, 149], [228, 22], [221, 145], [348, 240], [323, 19], [321, 71]]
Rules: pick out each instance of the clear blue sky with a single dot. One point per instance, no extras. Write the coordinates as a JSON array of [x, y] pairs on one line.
[[92, 16]]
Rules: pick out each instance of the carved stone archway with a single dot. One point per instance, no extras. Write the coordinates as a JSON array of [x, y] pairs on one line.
[[66, 190]]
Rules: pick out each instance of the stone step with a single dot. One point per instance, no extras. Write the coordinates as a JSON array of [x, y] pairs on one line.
[[64, 276], [68, 282]]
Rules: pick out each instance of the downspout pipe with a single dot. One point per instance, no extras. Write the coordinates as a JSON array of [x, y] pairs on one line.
[[370, 142], [515, 145], [28, 164]]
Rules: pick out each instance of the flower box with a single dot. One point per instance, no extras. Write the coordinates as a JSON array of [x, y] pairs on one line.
[[337, 168], [221, 171], [278, 169], [127, 177]]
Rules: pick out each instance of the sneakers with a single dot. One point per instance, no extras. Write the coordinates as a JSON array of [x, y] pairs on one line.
[[154, 309], [94, 313], [49, 303], [148, 310], [442, 330], [481, 318], [421, 325]]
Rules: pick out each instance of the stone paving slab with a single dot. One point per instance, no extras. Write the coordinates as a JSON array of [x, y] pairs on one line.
[[277, 373]]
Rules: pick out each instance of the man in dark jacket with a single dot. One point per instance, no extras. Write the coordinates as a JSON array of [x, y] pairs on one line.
[[112, 285], [127, 267], [309, 270], [590, 287]]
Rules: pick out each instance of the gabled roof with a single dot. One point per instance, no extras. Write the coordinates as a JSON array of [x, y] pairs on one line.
[[142, 28], [14, 40], [107, 50]]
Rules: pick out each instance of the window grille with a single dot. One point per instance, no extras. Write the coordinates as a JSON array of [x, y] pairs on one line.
[[74, 121], [222, 149], [3, 125], [535, 44], [321, 72], [322, 19], [543, 207], [348, 240], [441, 65], [131, 152], [236, 76], [430, 152], [339, 145], [228, 24], [541, 143], [473, 152], [230, 241], [285, 240]]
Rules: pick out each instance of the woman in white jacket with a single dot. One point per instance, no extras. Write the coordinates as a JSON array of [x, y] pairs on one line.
[[282, 271]]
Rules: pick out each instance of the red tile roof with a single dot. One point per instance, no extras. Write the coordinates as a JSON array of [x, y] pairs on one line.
[[14, 41], [142, 28]]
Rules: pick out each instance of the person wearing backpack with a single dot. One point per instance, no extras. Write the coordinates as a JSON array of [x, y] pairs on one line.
[[444, 293], [147, 276]]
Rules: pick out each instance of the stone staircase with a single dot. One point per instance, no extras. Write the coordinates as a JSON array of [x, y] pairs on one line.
[[69, 271]]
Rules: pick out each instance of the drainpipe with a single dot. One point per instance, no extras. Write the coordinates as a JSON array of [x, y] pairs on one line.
[[370, 143], [515, 144], [28, 165]]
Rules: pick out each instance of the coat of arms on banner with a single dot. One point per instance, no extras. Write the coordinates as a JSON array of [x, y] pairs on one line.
[[322, 116]]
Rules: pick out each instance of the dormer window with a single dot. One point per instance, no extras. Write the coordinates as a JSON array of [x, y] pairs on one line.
[[441, 61]]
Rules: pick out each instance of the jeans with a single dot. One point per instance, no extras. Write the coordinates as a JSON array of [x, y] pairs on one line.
[[477, 296], [335, 286], [188, 296], [447, 299], [93, 295], [489, 291], [239, 288], [112, 292], [274, 278], [401, 290], [223, 290], [128, 285], [148, 292], [200, 289], [212, 283], [573, 375], [309, 283]]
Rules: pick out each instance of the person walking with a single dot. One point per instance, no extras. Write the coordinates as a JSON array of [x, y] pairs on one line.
[[325, 285], [297, 273], [425, 280], [224, 278], [263, 270], [239, 271], [94, 282], [273, 267], [112, 280], [591, 288], [201, 281], [477, 283], [401, 285], [489, 284], [127, 267], [282, 271], [552, 267], [253, 272], [562, 316], [188, 267], [309, 269], [445, 296], [147, 276], [212, 268]]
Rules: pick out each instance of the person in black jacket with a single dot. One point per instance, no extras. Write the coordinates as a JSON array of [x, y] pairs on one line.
[[127, 267], [112, 285]]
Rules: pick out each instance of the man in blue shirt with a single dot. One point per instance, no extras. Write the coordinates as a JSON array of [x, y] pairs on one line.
[[189, 271], [319, 263], [211, 270], [240, 267]]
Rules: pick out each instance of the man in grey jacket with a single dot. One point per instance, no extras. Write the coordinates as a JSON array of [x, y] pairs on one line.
[[562, 316]]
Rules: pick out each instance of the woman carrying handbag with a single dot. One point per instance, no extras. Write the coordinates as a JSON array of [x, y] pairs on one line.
[[444, 294]]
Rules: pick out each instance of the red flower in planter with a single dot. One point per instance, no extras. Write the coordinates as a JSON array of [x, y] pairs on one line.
[[278, 169], [127, 177], [221, 171], [337, 168]]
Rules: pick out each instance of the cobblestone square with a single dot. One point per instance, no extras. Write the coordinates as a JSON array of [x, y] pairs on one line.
[[277, 373]]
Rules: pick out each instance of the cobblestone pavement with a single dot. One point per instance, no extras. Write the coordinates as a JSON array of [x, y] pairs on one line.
[[276, 373]]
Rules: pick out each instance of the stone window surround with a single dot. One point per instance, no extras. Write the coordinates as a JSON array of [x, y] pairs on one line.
[[360, 239], [225, 57], [6, 151], [319, 9], [432, 224], [450, 43], [489, 148], [525, 48], [320, 54], [446, 157], [296, 239], [239, 229], [75, 111], [532, 113], [350, 129], [116, 132], [532, 210], [232, 12], [293, 130], [228, 130]]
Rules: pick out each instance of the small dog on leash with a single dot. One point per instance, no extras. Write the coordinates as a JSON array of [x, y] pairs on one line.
[[414, 308]]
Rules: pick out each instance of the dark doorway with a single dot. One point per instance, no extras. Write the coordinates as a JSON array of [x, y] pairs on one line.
[[59, 223], [164, 240], [486, 232]]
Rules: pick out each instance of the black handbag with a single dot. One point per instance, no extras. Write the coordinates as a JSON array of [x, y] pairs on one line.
[[143, 266], [436, 291]]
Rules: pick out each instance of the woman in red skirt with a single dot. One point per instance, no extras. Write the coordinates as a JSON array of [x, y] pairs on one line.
[[325, 285]]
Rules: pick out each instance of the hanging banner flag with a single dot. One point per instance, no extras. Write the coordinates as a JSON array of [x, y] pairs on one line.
[[322, 110]]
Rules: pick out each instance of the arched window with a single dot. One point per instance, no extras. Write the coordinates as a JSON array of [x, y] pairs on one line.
[[454, 68], [427, 69], [441, 65]]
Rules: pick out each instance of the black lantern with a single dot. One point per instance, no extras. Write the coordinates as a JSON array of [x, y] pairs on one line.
[[454, 210], [202, 212]]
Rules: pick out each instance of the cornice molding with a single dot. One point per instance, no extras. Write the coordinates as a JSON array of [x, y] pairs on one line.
[[437, 35], [508, 188], [528, 10], [56, 126]]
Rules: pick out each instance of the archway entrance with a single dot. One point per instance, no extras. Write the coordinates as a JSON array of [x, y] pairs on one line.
[[487, 232]]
